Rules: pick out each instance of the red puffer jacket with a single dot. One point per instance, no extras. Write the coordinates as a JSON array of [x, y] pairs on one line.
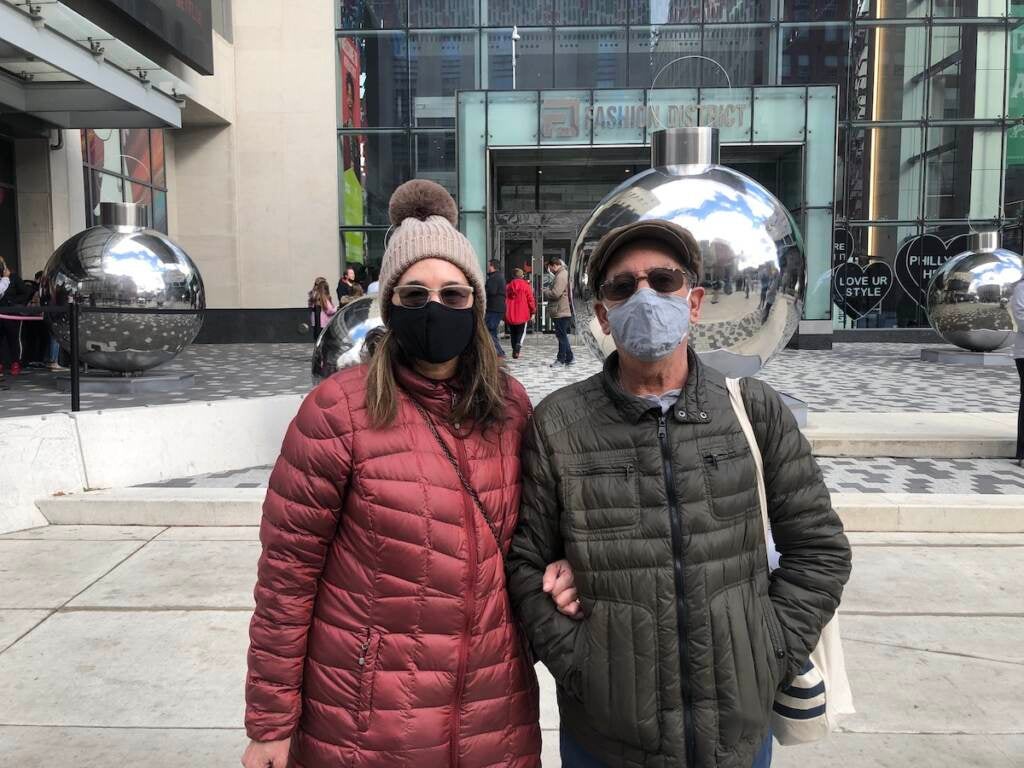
[[382, 634], [520, 303]]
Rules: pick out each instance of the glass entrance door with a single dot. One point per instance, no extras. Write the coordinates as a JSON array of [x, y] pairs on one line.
[[520, 249]]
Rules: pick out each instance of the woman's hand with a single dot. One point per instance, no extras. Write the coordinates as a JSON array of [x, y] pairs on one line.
[[266, 754], [560, 583]]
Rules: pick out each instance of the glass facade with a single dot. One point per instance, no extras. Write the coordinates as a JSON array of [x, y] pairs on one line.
[[930, 136], [125, 166]]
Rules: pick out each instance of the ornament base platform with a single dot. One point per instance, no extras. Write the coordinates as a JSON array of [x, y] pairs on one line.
[[955, 356], [115, 384]]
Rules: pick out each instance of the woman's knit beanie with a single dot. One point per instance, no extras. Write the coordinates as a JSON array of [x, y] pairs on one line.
[[425, 219]]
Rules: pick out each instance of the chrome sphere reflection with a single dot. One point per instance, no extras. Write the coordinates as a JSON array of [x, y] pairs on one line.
[[122, 264], [341, 343], [968, 298], [754, 267]]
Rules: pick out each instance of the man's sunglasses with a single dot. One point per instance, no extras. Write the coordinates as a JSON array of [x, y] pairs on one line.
[[661, 279], [415, 296]]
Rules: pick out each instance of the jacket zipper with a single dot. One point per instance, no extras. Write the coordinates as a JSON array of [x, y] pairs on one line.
[[367, 661], [677, 564], [469, 523]]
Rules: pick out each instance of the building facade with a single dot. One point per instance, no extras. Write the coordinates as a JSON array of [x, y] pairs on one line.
[[267, 136], [218, 114], [927, 141]]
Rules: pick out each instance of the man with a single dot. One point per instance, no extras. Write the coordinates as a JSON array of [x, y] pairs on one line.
[[495, 294], [347, 286], [641, 478], [557, 296]]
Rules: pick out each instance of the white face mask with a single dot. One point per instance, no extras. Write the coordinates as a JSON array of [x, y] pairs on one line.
[[650, 325]]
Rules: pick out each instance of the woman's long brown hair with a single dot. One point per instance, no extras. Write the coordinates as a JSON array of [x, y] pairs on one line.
[[479, 374]]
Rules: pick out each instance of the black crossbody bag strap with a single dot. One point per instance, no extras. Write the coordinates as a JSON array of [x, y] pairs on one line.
[[462, 478]]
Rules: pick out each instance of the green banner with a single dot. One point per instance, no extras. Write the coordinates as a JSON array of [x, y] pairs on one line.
[[1015, 98]]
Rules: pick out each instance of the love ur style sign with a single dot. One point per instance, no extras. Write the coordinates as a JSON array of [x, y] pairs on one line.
[[858, 290]]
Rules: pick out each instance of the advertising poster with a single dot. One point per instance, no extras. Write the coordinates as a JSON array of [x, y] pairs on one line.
[[353, 158]]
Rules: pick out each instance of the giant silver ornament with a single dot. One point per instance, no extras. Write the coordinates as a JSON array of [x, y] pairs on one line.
[[121, 263], [754, 267], [968, 298], [341, 343]]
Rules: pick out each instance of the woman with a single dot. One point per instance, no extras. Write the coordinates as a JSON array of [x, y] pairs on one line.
[[321, 307], [520, 307], [382, 633]]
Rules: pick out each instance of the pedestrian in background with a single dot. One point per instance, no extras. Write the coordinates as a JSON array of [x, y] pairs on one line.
[[1017, 311], [13, 293], [321, 308], [557, 296], [495, 290], [520, 308], [348, 288], [51, 355]]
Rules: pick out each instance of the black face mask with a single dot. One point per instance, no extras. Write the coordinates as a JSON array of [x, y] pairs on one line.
[[434, 333]]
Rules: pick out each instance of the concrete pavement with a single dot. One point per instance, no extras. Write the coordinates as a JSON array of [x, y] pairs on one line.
[[126, 646]]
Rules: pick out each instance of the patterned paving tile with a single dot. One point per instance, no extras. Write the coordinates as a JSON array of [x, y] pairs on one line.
[[981, 476], [850, 377]]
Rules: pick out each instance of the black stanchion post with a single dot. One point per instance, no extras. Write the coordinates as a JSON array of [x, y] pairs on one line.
[[76, 404]]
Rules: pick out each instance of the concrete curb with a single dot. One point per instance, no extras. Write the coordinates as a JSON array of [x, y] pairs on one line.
[[881, 512], [913, 435]]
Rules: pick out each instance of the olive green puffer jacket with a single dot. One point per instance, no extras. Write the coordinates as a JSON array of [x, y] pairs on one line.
[[686, 636]]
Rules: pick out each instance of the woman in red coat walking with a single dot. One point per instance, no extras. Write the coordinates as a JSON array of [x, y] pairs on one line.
[[520, 307], [382, 634]]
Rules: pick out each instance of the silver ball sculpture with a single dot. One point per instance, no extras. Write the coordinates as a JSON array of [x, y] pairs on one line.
[[122, 263], [754, 265], [341, 343], [968, 298]]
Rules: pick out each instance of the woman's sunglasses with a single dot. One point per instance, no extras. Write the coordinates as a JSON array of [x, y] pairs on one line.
[[661, 279], [413, 296]]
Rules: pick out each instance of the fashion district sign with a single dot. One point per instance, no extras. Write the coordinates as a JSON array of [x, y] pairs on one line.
[[569, 118]]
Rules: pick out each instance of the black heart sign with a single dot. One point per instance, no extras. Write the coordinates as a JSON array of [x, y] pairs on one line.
[[858, 290], [842, 246], [921, 257]]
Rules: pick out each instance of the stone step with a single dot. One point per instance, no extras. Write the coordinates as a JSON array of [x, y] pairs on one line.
[[882, 512], [913, 435]]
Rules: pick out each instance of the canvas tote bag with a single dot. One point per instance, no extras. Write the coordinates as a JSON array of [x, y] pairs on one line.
[[808, 709]]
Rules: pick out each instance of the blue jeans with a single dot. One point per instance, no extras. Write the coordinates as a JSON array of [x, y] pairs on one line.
[[573, 755], [493, 320], [562, 333]]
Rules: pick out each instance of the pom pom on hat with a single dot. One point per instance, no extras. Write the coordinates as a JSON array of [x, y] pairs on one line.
[[419, 199]]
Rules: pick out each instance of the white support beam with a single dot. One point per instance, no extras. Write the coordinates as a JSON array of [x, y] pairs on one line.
[[18, 29]]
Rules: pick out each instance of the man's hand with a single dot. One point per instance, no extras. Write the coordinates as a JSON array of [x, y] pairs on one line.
[[560, 583], [266, 754]]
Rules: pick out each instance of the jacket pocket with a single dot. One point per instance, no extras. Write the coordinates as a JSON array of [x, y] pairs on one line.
[[730, 475], [369, 653], [601, 495], [745, 668], [619, 674]]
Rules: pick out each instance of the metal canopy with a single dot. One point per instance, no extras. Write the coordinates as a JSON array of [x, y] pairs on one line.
[[72, 81]]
